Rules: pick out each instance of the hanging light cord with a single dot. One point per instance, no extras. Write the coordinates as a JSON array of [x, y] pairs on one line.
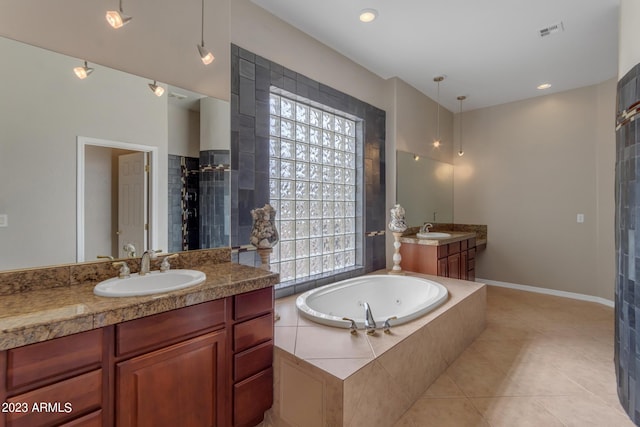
[[121, 7], [438, 115], [461, 98], [202, 26]]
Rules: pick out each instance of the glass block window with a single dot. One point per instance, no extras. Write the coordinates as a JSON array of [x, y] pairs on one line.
[[312, 182]]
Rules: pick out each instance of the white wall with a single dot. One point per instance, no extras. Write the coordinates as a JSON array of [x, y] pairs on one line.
[[215, 124], [628, 46], [184, 131], [529, 168], [98, 224]]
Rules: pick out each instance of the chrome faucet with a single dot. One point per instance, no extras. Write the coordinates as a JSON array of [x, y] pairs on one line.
[[369, 322], [387, 325], [145, 261], [425, 227]]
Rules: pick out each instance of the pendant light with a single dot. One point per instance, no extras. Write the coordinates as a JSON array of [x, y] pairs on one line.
[[83, 72], [156, 89], [460, 98], [436, 142], [205, 55], [116, 18]]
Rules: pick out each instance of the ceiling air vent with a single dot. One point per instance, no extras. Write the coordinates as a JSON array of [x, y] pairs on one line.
[[177, 95], [551, 29]]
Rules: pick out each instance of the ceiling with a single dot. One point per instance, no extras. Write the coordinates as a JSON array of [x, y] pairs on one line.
[[489, 50]]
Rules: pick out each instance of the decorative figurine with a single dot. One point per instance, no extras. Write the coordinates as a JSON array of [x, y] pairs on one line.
[[397, 226], [264, 235]]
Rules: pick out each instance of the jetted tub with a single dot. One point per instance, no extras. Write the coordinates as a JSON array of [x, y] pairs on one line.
[[405, 297]]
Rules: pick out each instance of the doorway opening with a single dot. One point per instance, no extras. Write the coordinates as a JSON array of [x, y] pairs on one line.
[[116, 199]]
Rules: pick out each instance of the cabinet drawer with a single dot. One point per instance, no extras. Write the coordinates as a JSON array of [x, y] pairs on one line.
[[464, 245], [252, 361], [71, 397], [169, 327], [472, 253], [251, 398], [252, 332], [53, 360], [253, 303], [94, 419], [454, 248]]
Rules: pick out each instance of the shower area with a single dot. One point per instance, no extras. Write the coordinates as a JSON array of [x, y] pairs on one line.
[[198, 199]]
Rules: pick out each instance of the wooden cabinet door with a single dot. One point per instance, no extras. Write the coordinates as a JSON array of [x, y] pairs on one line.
[[443, 267], [453, 266], [180, 385], [464, 265]]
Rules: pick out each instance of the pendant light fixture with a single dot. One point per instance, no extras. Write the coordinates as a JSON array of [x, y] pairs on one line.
[[116, 18], [460, 98], [156, 89], [436, 142], [83, 72], [205, 55]]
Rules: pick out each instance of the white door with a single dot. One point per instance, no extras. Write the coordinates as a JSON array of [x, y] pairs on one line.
[[132, 202]]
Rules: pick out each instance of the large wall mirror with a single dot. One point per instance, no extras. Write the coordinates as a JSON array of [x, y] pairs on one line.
[[47, 113], [424, 189]]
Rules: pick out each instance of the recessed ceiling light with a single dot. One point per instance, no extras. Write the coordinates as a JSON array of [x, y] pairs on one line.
[[368, 15], [544, 86]]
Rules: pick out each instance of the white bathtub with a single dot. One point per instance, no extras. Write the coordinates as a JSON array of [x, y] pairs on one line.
[[405, 297]]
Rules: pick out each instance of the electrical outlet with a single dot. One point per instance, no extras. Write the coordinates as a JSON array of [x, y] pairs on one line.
[[580, 218]]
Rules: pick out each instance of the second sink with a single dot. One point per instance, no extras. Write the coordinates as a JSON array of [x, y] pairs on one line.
[[433, 235], [154, 282]]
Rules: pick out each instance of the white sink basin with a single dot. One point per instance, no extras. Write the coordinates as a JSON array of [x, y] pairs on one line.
[[155, 282], [433, 235]]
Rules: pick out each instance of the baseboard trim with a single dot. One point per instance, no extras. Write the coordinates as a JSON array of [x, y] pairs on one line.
[[547, 291]]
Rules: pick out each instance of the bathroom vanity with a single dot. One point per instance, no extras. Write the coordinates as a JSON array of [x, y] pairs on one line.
[[201, 356], [452, 257]]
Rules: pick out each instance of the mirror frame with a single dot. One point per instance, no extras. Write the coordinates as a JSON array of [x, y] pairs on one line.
[[82, 142]]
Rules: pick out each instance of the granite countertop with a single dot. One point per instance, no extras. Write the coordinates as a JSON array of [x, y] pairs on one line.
[[456, 236], [43, 314]]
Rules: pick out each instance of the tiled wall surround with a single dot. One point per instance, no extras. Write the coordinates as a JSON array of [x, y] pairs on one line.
[[16, 281], [182, 178], [324, 376], [627, 295], [251, 79], [214, 198]]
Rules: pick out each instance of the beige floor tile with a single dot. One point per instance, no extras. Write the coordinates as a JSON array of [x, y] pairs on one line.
[[584, 411], [536, 379], [476, 376], [444, 386], [405, 421], [457, 412], [515, 412], [598, 377], [509, 331]]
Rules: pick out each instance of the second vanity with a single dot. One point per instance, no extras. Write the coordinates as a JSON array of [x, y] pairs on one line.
[[195, 357], [452, 257]]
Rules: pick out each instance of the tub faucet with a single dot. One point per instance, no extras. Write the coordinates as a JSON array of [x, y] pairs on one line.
[[387, 325], [425, 227], [369, 322], [353, 328]]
